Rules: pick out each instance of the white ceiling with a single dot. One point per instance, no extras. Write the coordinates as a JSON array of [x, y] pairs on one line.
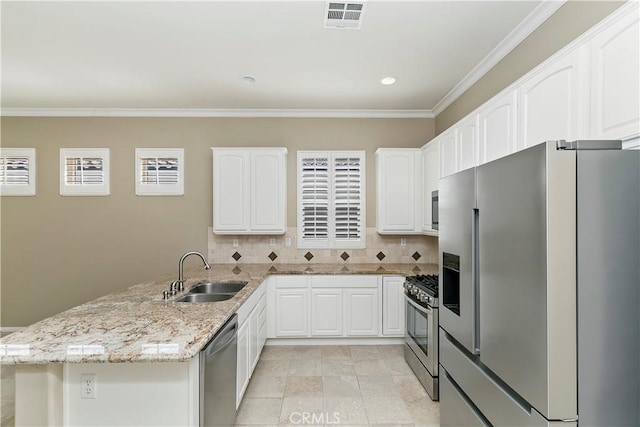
[[193, 55]]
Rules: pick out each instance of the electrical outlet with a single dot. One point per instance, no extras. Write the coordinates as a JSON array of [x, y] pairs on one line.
[[287, 242], [272, 242], [403, 242], [235, 243], [88, 386]]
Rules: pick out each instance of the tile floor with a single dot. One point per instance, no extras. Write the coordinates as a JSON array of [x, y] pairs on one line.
[[317, 385], [335, 385]]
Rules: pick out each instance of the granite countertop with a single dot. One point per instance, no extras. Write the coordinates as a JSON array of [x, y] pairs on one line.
[[137, 325]]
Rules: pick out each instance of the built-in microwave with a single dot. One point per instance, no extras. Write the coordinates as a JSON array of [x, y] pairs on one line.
[[434, 210]]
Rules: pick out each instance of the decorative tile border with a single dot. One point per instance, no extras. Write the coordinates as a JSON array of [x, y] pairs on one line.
[[381, 249]]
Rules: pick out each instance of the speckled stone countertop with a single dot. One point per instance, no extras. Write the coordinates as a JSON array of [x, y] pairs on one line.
[[137, 325]]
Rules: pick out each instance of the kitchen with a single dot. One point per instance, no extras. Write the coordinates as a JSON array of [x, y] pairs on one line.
[[136, 239]]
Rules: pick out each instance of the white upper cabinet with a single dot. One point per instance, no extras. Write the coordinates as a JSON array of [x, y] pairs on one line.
[[615, 79], [268, 190], [551, 103], [249, 190], [430, 177], [399, 198], [468, 134], [498, 127], [448, 152]]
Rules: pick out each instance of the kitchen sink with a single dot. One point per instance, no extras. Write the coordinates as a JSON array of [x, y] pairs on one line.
[[217, 288], [204, 297]]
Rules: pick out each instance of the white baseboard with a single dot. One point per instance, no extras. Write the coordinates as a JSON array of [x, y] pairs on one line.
[[336, 341]]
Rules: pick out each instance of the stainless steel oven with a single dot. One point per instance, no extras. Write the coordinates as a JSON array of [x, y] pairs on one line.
[[421, 338]]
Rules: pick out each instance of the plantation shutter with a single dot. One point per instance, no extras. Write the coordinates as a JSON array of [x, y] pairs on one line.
[[84, 171], [159, 171], [347, 198], [315, 182], [331, 199], [17, 171]]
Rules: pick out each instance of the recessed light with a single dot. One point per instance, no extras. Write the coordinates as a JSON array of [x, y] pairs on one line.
[[388, 81], [249, 79]]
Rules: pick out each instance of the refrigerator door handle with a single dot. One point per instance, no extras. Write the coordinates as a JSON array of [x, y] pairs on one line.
[[475, 280]]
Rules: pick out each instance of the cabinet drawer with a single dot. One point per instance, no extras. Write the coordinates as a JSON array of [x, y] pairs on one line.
[[294, 281], [344, 281]]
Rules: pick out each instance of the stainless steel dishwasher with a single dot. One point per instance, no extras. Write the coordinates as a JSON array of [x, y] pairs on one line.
[[218, 362]]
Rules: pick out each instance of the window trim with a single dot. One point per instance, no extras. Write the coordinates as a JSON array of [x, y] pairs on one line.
[[331, 242], [21, 190], [85, 189], [143, 189]]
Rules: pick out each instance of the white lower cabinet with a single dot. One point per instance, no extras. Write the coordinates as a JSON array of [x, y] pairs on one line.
[[324, 306], [393, 306], [291, 312], [242, 374], [361, 312], [326, 312], [251, 338]]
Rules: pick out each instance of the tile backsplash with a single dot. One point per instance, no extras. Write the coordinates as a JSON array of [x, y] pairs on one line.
[[381, 249]]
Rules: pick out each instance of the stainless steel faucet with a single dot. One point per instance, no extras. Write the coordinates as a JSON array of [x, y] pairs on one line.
[[179, 284]]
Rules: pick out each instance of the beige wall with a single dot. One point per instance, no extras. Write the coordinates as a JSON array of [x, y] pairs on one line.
[[58, 252], [571, 20]]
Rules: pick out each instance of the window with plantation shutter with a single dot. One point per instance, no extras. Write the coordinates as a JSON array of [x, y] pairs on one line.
[[17, 171], [84, 171], [159, 171], [331, 199]]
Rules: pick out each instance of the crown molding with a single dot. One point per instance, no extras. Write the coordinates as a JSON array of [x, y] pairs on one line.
[[215, 112], [540, 14]]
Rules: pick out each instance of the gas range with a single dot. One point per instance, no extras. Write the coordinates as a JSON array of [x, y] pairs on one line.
[[421, 336], [423, 289]]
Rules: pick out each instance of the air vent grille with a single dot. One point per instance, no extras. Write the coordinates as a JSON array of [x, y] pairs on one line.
[[346, 15]]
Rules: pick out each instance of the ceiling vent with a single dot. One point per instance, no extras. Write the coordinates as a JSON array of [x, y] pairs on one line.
[[345, 16]]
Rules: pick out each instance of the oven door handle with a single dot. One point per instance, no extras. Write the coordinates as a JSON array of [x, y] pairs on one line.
[[420, 308]]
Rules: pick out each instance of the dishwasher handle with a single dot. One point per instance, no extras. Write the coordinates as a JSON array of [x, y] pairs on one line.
[[222, 339]]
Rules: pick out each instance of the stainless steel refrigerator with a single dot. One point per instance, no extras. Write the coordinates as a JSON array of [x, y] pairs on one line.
[[540, 288]]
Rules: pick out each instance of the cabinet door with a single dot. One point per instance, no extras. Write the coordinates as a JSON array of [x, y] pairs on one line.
[[242, 373], [468, 133], [399, 202], [615, 79], [551, 105], [393, 306], [361, 312], [253, 340], [291, 313], [262, 329], [448, 153], [326, 312], [268, 191], [498, 128], [230, 190], [430, 177]]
